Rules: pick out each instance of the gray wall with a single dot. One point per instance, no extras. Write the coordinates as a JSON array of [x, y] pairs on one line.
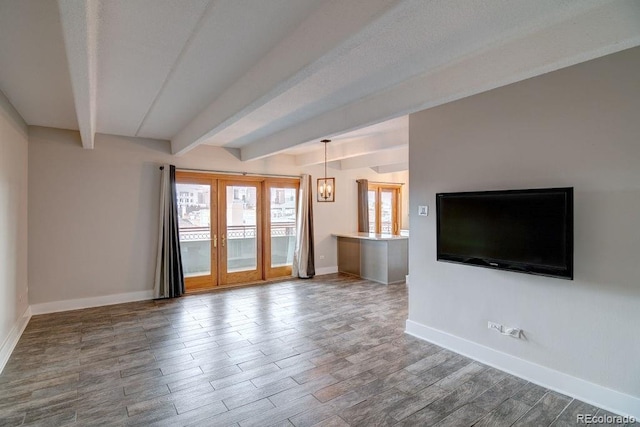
[[13, 219], [577, 127], [93, 213]]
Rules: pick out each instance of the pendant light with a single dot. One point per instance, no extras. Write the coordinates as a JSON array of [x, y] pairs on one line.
[[326, 186]]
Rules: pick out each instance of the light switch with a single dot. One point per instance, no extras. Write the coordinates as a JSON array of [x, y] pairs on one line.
[[423, 210]]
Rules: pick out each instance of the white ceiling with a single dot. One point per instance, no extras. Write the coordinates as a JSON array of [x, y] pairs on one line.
[[266, 77]]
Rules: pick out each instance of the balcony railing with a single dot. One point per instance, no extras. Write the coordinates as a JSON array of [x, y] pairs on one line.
[[195, 246], [195, 234], [385, 227], [278, 229]]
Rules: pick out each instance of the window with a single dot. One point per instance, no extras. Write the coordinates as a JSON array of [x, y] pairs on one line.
[[384, 208]]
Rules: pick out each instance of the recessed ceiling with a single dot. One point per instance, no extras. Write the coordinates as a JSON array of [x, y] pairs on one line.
[[265, 77]]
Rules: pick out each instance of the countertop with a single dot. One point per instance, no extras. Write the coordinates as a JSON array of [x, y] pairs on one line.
[[370, 236]]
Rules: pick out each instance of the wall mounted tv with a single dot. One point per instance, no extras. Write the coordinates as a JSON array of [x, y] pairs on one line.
[[528, 231]]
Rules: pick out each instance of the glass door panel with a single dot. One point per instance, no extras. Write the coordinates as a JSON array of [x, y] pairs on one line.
[[372, 202], [283, 226], [386, 211], [242, 242], [197, 230], [281, 203], [194, 222], [240, 231]]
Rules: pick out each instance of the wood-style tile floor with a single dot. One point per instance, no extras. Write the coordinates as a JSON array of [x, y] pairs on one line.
[[329, 351]]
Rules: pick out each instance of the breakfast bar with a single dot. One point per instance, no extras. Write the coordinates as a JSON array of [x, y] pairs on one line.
[[382, 258]]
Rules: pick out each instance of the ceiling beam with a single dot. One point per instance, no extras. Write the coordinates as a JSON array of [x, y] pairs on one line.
[[379, 158], [352, 147], [398, 167], [513, 59], [318, 40], [15, 119], [79, 20]]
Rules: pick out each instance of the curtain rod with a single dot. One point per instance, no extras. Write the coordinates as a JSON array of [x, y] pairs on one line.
[[381, 182], [235, 173]]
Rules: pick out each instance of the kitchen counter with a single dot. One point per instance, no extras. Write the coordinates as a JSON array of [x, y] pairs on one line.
[[370, 236], [382, 258]]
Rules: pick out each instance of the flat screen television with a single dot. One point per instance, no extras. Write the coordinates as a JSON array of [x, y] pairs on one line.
[[528, 231]]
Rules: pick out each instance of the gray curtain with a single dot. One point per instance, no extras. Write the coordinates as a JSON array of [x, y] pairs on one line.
[[303, 257], [169, 279], [363, 205]]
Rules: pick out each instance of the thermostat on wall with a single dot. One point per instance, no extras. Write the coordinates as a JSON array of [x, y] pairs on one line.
[[423, 210]]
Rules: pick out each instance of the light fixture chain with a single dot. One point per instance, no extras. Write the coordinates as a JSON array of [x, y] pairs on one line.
[[325, 161], [325, 189]]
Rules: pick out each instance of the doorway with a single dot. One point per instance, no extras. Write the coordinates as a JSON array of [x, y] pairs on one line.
[[235, 229]]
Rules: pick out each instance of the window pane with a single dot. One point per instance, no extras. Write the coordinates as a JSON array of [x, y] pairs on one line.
[[386, 211], [194, 224], [371, 200], [242, 246], [283, 226]]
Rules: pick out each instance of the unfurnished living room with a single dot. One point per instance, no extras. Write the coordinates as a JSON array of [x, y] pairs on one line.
[[319, 212]]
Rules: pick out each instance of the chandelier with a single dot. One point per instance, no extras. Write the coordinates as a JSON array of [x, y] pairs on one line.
[[326, 186]]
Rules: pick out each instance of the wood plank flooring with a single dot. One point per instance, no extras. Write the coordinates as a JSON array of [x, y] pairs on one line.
[[324, 352]]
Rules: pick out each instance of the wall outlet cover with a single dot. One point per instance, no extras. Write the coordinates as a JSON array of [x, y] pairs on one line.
[[494, 325]]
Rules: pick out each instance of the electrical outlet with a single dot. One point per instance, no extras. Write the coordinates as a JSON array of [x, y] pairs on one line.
[[321, 256], [513, 332], [494, 325]]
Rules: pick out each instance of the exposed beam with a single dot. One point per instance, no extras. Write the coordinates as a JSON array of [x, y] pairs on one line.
[[16, 120], [79, 25], [379, 158], [514, 59], [316, 41], [398, 167], [344, 149], [235, 152]]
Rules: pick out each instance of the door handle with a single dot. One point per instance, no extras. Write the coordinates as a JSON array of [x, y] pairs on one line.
[[223, 239], [215, 240]]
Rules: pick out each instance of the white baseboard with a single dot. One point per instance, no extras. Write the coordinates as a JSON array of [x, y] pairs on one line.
[[594, 394], [326, 270], [12, 339], [80, 303]]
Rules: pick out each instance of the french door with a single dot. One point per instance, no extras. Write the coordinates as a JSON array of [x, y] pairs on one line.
[[198, 225], [384, 208], [235, 229], [281, 200], [240, 219]]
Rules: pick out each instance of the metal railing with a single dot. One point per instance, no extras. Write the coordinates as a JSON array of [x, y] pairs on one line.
[[385, 227], [195, 234], [279, 229]]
